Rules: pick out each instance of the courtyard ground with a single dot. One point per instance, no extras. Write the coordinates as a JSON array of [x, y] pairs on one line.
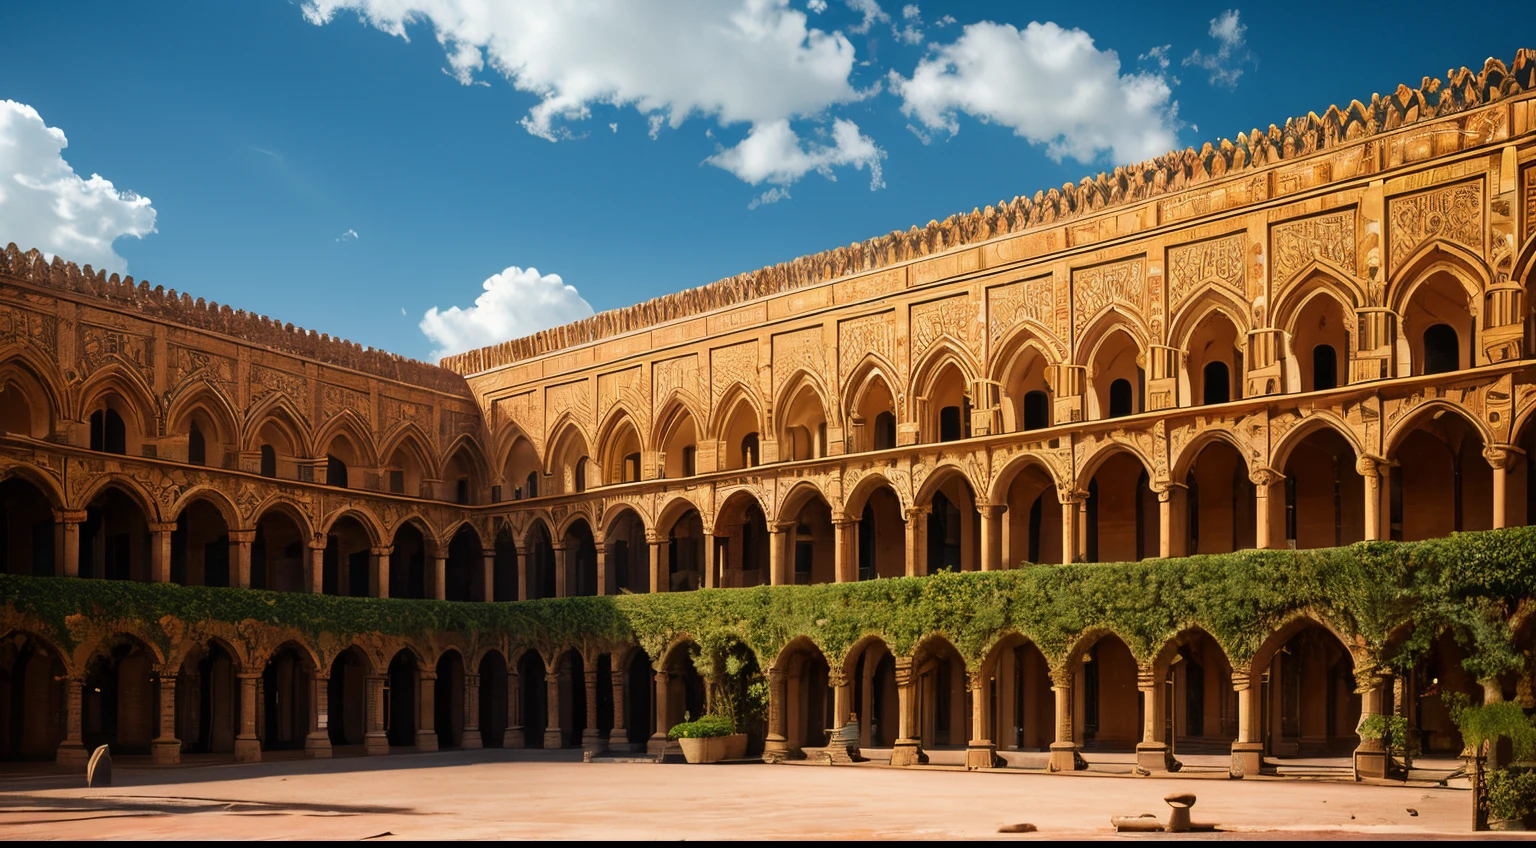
[[552, 795]]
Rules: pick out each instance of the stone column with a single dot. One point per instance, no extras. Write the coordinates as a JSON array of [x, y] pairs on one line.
[[247, 745], [317, 743], [166, 748], [240, 557], [1070, 501], [981, 751], [618, 737], [1152, 751], [375, 740], [72, 749], [378, 571], [1248, 749], [67, 526], [658, 742], [845, 550], [1064, 756], [1370, 755], [908, 750], [512, 737], [1371, 469], [1172, 521], [522, 572], [439, 578], [316, 571], [488, 574], [426, 722], [661, 570], [992, 516], [780, 564], [917, 540], [562, 571], [1268, 508], [592, 741], [776, 745], [471, 739], [842, 697], [553, 737], [1500, 457], [160, 552]]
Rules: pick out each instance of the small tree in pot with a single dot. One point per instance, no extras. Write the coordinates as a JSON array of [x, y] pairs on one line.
[[710, 739]]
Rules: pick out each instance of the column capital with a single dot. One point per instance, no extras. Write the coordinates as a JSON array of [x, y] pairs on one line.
[[918, 511], [1071, 496], [382, 550], [991, 510], [1502, 456], [1372, 466], [242, 537], [69, 516], [1264, 477], [161, 526]]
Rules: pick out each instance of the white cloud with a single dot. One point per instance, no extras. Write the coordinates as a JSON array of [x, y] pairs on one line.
[[772, 195], [1226, 64], [753, 62], [614, 127], [911, 12], [1158, 55], [349, 235], [774, 153], [517, 302], [1050, 85], [46, 205], [872, 13], [817, 6]]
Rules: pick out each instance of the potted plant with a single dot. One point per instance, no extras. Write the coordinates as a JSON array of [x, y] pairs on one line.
[[709, 739], [1511, 798]]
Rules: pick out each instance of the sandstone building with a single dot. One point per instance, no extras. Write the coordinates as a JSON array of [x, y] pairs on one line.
[[1309, 337]]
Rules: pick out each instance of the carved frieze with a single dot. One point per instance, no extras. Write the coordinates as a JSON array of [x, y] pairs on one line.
[[1297, 243], [1011, 305], [734, 364], [188, 363], [676, 375], [800, 350], [954, 317], [1123, 283], [265, 380], [1453, 213], [101, 345], [627, 386], [524, 413], [335, 400], [1529, 202], [395, 410], [573, 398], [456, 422], [30, 327], [858, 337], [1217, 260]]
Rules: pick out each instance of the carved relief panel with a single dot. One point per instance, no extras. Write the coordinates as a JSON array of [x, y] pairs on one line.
[[100, 345], [857, 337], [1453, 213], [802, 349], [676, 375], [1121, 283], [573, 398], [1295, 244], [335, 399], [956, 317], [38, 330], [524, 413], [727, 365], [627, 386], [1529, 203], [1218, 261], [1011, 305], [189, 364], [265, 380]]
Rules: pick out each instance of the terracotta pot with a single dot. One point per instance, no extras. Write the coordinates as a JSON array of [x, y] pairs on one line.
[[1506, 824], [735, 746], [714, 748]]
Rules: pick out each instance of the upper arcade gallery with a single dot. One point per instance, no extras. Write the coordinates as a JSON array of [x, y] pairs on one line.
[[1238, 350]]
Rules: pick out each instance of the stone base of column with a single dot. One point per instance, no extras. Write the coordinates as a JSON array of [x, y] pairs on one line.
[[247, 749], [656, 746], [775, 749], [1155, 757], [512, 737], [908, 752], [165, 752], [375, 743], [554, 739], [1064, 757], [981, 754], [1371, 764], [618, 740], [71, 754], [593, 742], [471, 740], [317, 745], [426, 741], [1247, 758]]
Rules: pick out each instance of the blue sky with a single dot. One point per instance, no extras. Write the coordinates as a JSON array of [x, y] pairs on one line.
[[263, 133]]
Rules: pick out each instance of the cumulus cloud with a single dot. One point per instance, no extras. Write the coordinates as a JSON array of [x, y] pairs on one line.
[[817, 6], [46, 205], [1226, 64], [1050, 85], [1157, 55], [753, 62], [872, 13], [774, 153], [515, 303], [912, 31], [349, 235]]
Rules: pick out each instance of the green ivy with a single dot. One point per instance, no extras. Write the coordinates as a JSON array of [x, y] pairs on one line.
[[1468, 583]]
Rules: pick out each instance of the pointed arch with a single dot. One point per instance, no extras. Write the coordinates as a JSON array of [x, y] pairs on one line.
[[946, 352], [283, 504], [1434, 256], [137, 399], [202, 395], [872, 392], [1016, 465], [1318, 272], [27, 371], [1181, 464], [215, 498], [421, 524], [1106, 451], [730, 402], [1208, 299], [46, 484], [857, 495], [620, 446], [671, 512], [676, 434], [1021, 367], [277, 411], [410, 436], [1281, 450], [128, 486], [801, 493], [801, 416], [1391, 439], [942, 473], [568, 456], [350, 425], [738, 425], [366, 519]]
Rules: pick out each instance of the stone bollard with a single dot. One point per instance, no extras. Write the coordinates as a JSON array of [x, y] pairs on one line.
[[1178, 820], [98, 772]]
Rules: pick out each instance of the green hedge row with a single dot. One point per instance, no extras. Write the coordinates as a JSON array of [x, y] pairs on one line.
[[1471, 583]]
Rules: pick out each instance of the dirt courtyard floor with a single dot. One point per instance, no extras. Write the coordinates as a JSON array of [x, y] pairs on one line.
[[539, 795]]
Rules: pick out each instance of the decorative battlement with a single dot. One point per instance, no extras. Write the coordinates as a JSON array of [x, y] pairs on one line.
[[1173, 172], [259, 330]]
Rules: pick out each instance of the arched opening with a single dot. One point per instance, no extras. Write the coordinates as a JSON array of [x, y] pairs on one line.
[[1216, 383], [872, 414], [1324, 493], [1215, 357], [25, 407], [448, 701], [573, 699], [210, 435], [1309, 706], [114, 540], [686, 563], [120, 698], [639, 698], [280, 447], [739, 436], [340, 457], [1106, 704], [200, 547], [679, 443], [741, 542], [31, 698], [954, 526], [207, 700], [1438, 325], [27, 544], [621, 456], [629, 555], [464, 565], [948, 405], [1440, 483], [347, 699], [286, 682], [1020, 707], [1026, 392], [197, 445], [812, 548], [1117, 378], [872, 672], [541, 562], [1199, 704], [580, 560], [278, 554], [1325, 367], [942, 696], [808, 709], [881, 535], [535, 696], [1220, 499], [680, 694], [408, 563], [346, 567], [505, 588], [268, 462], [1032, 532], [402, 696], [494, 690], [114, 426], [464, 476], [569, 467], [803, 424], [405, 471], [522, 470], [1123, 519], [1320, 341]]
